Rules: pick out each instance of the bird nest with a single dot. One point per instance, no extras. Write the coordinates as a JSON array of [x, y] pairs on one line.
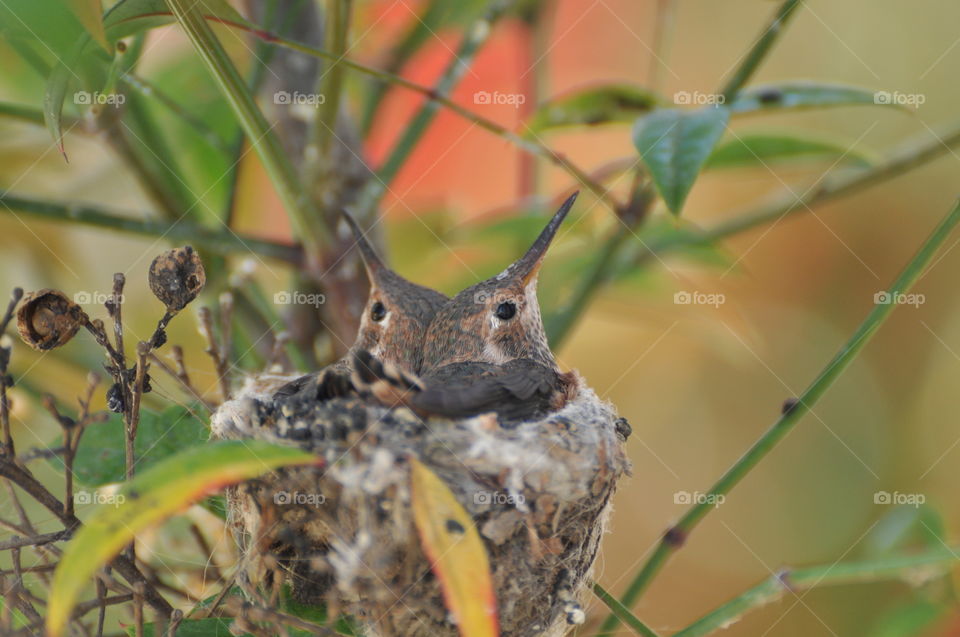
[[342, 531]]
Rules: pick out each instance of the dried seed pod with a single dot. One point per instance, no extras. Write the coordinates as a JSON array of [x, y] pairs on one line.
[[48, 319], [176, 277]]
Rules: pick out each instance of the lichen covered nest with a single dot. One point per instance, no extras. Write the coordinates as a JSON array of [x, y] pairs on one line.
[[539, 493]]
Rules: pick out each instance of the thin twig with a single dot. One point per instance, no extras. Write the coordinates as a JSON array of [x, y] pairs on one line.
[[220, 242], [23, 479], [138, 609], [5, 351], [181, 377], [226, 328], [838, 183], [37, 540], [211, 565], [792, 581], [759, 50], [675, 537], [622, 612], [213, 350]]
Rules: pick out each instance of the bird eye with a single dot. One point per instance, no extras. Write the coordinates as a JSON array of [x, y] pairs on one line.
[[378, 312], [506, 310]]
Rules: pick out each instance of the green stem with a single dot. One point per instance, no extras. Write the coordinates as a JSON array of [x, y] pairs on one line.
[[23, 113], [435, 97], [911, 155], [674, 538], [476, 36], [421, 30], [179, 231], [144, 149], [901, 161], [759, 50], [622, 612], [331, 84], [563, 319], [149, 90], [794, 580], [527, 145], [307, 222]]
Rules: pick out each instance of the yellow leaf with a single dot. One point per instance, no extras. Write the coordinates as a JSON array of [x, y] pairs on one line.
[[151, 497], [456, 553]]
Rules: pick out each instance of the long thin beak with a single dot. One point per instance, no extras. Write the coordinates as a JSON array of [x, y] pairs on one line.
[[527, 267], [371, 259]]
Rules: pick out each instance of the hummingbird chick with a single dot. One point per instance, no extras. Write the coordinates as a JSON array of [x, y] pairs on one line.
[[391, 327], [485, 350]]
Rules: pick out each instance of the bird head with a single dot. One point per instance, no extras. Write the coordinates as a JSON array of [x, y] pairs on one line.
[[397, 312], [497, 320]]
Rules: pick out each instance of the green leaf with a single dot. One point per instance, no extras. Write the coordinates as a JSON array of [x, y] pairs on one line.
[[904, 526], [748, 150], [90, 15], [19, 620], [791, 95], [907, 620], [674, 145], [124, 19], [128, 17], [209, 627], [150, 498], [316, 614], [607, 104], [101, 459]]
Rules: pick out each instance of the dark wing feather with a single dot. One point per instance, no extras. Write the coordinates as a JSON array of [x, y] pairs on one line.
[[516, 390]]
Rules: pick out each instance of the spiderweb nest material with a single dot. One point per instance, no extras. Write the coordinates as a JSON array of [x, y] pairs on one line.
[[539, 494]]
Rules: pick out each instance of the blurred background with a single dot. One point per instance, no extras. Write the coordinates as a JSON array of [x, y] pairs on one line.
[[699, 383]]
